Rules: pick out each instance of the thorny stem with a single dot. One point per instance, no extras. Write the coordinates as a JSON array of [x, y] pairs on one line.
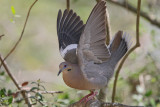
[[130, 51]]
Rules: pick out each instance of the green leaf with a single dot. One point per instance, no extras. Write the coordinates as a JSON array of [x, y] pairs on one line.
[[153, 103], [2, 73], [10, 100], [13, 10], [34, 88], [39, 96], [148, 93]]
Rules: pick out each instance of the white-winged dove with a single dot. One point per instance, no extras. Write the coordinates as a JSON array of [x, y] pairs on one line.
[[89, 63]]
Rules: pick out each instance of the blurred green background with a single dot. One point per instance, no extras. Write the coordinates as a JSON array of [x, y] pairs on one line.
[[37, 56]]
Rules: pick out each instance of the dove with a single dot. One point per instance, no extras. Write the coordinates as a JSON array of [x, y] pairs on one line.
[[89, 62]]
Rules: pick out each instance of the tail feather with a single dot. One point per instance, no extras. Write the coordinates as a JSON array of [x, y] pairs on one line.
[[119, 46]]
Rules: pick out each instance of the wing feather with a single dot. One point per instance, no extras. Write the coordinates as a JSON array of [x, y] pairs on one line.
[[69, 30]]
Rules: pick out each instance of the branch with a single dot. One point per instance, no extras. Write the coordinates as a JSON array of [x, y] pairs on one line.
[[1, 36], [97, 103], [143, 14], [130, 51], [14, 47], [14, 80], [50, 92], [68, 4]]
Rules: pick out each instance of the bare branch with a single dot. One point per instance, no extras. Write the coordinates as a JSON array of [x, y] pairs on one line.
[[130, 51], [126, 5], [14, 47], [1, 36], [50, 92], [14, 80], [9, 73], [68, 4]]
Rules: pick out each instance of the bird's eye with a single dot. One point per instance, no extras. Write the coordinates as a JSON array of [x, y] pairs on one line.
[[65, 65], [69, 70]]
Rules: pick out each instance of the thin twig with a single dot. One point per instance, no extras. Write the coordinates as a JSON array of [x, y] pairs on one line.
[[10, 74], [14, 47], [41, 92], [50, 92], [14, 80], [126, 5], [68, 4], [1, 36], [130, 51]]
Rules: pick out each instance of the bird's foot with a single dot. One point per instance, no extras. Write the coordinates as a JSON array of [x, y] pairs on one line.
[[88, 97], [91, 97]]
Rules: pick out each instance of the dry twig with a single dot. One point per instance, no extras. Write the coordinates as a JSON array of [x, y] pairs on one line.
[[1, 36], [126, 5], [68, 4], [14, 47], [130, 51], [14, 80]]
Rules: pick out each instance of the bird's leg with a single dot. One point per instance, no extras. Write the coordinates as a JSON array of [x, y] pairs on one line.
[[91, 96], [84, 98], [88, 97]]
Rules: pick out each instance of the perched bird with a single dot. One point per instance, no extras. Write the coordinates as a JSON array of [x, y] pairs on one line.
[[89, 63]]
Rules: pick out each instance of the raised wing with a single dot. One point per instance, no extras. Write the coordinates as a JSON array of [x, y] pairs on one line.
[[92, 44], [69, 30]]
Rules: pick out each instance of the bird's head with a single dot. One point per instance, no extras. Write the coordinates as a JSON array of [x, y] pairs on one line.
[[64, 67]]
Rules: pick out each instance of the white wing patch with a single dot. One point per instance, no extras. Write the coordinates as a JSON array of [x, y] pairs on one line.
[[69, 47]]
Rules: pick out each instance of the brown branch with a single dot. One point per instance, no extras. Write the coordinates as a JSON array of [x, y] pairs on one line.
[[14, 47], [68, 4], [130, 51], [1, 36], [50, 92], [143, 14], [14, 80], [97, 103]]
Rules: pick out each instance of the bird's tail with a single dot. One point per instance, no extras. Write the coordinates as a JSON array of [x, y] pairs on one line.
[[119, 45]]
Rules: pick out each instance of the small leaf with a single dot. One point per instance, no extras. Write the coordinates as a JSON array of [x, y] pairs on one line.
[[2, 73], [38, 80], [148, 93], [39, 96], [34, 88], [24, 84], [13, 10], [10, 100], [33, 83]]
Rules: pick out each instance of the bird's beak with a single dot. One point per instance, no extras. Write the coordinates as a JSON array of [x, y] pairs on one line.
[[61, 70]]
